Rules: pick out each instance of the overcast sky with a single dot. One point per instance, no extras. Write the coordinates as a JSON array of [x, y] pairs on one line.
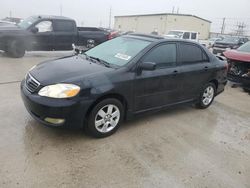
[[96, 12]]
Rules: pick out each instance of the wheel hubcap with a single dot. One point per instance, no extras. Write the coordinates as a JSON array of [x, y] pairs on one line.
[[107, 118], [208, 95]]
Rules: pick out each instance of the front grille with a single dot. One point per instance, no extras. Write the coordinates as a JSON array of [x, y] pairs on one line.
[[220, 46], [31, 83]]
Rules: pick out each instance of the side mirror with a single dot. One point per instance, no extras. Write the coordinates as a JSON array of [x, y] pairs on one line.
[[34, 30], [150, 66]]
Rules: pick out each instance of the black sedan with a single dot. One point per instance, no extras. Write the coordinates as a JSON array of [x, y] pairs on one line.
[[119, 79]]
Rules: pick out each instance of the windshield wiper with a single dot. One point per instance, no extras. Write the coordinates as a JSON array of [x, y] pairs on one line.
[[100, 60], [105, 63]]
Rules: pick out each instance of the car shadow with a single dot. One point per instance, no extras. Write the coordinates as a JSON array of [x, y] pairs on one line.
[[36, 130], [153, 115], [41, 54]]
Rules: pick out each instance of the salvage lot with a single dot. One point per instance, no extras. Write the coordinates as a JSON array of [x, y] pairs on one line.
[[180, 147]]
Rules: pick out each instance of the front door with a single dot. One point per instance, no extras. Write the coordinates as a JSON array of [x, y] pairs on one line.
[[159, 87], [43, 39]]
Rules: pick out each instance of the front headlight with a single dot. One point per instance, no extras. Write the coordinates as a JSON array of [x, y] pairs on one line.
[[59, 91]]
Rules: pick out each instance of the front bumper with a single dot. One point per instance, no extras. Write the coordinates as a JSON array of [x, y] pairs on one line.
[[72, 111]]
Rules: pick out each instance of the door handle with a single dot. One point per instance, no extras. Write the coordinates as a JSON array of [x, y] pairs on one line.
[[206, 68]]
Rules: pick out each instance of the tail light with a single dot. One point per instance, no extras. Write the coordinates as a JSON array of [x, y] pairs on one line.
[[110, 36]]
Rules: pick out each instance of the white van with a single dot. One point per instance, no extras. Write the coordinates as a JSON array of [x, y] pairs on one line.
[[181, 34]]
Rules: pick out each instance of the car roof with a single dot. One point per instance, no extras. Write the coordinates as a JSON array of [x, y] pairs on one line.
[[52, 17], [157, 38]]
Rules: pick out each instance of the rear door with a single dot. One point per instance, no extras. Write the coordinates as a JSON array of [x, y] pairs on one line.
[[161, 86], [196, 69], [65, 32]]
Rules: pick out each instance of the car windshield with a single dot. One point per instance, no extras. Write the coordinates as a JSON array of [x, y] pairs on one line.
[[27, 22], [231, 40], [176, 33], [245, 48], [118, 51]]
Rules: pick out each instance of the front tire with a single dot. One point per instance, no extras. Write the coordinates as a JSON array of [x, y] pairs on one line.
[[105, 118], [206, 96], [16, 49]]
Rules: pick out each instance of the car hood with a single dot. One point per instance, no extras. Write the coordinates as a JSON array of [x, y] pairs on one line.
[[66, 70], [237, 55]]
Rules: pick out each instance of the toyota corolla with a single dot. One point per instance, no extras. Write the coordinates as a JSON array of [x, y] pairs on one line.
[[119, 79]]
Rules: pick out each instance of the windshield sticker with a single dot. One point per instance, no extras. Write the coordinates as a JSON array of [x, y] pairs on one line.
[[122, 56]]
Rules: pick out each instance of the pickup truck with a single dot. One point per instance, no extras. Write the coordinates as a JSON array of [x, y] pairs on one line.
[[228, 43], [47, 33]]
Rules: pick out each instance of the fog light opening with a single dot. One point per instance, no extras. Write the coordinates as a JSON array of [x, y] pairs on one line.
[[55, 121]]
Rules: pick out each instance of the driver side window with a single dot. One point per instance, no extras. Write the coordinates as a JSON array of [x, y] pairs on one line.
[[44, 26], [163, 55]]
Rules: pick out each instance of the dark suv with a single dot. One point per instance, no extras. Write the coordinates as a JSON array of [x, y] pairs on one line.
[[119, 79]]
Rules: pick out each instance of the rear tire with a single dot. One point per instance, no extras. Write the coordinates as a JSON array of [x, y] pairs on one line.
[[105, 118], [15, 49], [206, 96]]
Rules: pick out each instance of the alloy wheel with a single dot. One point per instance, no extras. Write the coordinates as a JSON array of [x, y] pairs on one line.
[[208, 95], [107, 118]]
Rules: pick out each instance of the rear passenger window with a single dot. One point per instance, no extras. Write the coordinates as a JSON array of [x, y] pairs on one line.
[[192, 54], [163, 56], [63, 25]]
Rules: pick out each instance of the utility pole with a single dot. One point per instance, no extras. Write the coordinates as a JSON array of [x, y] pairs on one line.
[[61, 9], [173, 10], [110, 16], [223, 26], [240, 29], [10, 14]]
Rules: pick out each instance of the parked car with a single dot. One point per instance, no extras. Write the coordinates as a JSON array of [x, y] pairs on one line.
[[228, 43], [126, 32], [181, 34], [45, 33], [239, 65], [211, 41], [120, 79], [112, 33]]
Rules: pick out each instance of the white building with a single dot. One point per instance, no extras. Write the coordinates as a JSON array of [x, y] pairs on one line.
[[163, 23]]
